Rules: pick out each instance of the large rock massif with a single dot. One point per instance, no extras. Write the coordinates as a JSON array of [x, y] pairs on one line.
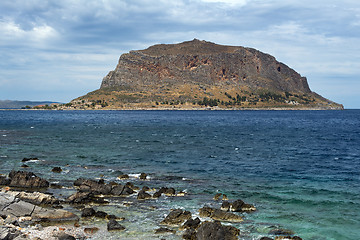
[[201, 74]]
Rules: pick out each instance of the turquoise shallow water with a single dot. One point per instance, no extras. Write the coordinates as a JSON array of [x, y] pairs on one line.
[[300, 168]]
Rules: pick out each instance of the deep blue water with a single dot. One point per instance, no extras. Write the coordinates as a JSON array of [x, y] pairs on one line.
[[300, 168]]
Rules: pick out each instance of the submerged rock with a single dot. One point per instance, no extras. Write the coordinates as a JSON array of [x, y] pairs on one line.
[[176, 217], [279, 231]]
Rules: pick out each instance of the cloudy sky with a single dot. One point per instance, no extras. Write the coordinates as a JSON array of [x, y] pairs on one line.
[[61, 49]]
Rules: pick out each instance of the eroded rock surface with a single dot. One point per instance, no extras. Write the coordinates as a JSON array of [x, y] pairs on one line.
[[10, 205]]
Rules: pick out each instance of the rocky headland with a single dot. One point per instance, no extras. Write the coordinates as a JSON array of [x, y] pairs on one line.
[[29, 210], [201, 75]]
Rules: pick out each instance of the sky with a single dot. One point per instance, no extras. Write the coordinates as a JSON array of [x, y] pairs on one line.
[[59, 50]]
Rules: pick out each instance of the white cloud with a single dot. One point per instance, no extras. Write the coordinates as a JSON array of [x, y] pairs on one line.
[[228, 2], [12, 33]]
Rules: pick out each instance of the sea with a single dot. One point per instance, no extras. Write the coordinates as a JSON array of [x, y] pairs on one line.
[[300, 169]]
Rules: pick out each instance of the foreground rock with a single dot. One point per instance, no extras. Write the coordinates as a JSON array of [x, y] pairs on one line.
[[100, 187], [216, 231], [176, 217], [10, 205], [25, 179], [8, 233], [164, 230], [113, 225], [191, 224], [219, 215], [36, 198], [96, 187], [240, 206], [84, 197]]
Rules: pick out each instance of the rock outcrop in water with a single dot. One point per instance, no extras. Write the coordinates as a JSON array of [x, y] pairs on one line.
[[199, 74], [19, 210]]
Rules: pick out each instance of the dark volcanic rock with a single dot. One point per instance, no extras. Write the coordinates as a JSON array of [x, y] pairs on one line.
[[29, 159], [114, 225], [236, 206], [26, 180], [124, 176], [143, 176], [189, 234], [97, 187], [88, 212], [216, 231], [225, 206], [4, 181], [157, 194], [101, 214], [79, 181], [117, 190], [164, 230], [142, 195], [56, 170], [281, 232], [176, 217], [219, 215], [191, 223], [127, 191], [84, 197]]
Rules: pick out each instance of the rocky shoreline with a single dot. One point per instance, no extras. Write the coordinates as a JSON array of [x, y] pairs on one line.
[[29, 211]]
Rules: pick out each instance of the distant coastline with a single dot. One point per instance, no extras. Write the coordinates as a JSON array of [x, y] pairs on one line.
[[16, 104]]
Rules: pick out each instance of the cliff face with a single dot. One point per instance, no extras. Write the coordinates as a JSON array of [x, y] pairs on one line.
[[197, 74], [201, 62]]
